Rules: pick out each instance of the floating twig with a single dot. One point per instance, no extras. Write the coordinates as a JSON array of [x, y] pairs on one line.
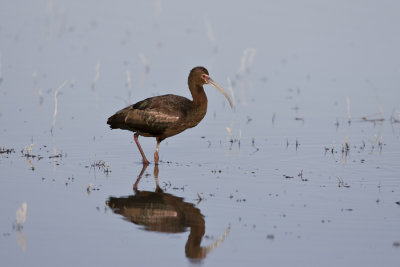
[[4, 150], [342, 183], [199, 198], [301, 176], [374, 120], [55, 156]]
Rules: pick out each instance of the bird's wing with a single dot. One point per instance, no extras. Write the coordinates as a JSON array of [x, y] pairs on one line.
[[154, 115]]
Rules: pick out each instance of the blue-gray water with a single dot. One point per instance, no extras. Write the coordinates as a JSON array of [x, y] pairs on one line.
[[280, 178]]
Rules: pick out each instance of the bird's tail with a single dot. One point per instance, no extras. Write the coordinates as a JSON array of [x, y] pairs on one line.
[[118, 119]]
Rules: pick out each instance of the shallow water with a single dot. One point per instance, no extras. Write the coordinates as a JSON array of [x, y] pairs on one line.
[[291, 181]]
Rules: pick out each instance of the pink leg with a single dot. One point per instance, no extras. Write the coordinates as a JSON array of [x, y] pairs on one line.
[[135, 137], [158, 189], [135, 186], [156, 157]]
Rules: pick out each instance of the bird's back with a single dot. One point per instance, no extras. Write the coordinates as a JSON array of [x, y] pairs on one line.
[[160, 116]]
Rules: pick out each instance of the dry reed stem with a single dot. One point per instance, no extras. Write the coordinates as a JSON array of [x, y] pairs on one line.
[[210, 32], [21, 215], [1, 70], [128, 80], [97, 75], [56, 104], [21, 240], [348, 109], [377, 99], [230, 89], [246, 60], [129, 84], [157, 8], [228, 129], [145, 62]]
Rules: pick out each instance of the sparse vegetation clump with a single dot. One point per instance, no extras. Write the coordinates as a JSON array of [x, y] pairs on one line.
[[101, 165], [4, 150]]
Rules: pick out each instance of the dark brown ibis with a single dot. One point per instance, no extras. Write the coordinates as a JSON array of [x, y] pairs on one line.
[[166, 115]]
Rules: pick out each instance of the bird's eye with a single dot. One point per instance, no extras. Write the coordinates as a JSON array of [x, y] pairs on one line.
[[205, 77]]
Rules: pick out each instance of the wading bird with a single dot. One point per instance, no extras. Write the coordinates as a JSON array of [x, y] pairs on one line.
[[166, 115]]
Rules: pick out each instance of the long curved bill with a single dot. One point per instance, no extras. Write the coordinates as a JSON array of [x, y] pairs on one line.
[[218, 242], [219, 88]]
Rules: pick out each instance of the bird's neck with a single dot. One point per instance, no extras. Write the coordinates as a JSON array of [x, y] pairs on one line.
[[199, 96]]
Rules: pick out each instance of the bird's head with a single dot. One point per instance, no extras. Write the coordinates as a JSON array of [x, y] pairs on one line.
[[199, 75]]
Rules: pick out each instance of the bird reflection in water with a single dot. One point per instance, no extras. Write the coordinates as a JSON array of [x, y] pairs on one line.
[[161, 212]]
